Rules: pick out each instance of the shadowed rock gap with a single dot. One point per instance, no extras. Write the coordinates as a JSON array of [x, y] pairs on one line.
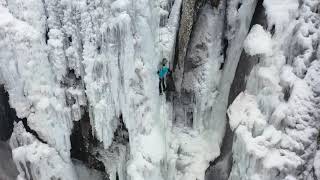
[[8, 170], [85, 146], [7, 115], [82, 143], [31, 131]]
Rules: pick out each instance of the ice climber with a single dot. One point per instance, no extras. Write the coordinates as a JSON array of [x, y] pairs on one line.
[[163, 72]]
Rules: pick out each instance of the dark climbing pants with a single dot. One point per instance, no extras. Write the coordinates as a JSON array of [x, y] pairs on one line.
[[162, 85]]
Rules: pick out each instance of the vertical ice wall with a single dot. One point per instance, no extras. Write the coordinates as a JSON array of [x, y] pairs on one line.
[[36, 160], [33, 90], [27, 76], [239, 16], [63, 59]]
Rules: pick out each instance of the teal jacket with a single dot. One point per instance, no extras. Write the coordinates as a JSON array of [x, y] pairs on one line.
[[163, 72]]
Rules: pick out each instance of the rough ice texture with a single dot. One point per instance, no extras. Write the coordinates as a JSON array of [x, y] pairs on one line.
[[276, 119], [27, 76], [61, 58], [36, 160], [102, 56]]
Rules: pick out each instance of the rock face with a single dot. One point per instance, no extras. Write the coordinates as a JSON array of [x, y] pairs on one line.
[[7, 116], [189, 15], [79, 89]]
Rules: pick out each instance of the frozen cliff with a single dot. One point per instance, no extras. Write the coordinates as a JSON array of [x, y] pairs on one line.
[[79, 93], [275, 119]]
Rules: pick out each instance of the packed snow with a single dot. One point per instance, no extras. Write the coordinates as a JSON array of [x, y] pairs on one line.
[[258, 41]]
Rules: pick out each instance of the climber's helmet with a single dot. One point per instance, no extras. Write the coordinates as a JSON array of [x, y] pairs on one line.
[[164, 61]]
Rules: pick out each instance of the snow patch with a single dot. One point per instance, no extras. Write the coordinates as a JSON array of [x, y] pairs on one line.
[[280, 13], [258, 41]]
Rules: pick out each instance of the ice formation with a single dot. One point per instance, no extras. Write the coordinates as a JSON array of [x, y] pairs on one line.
[[81, 79], [275, 119]]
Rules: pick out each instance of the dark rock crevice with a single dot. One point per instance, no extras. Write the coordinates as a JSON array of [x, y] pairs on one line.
[[225, 45], [86, 148], [7, 115], [215, 3], [83, 142], [121, 135], [286, 92], [47, 29], [72, 80], [117, 176], [31, 131], [47, 35]]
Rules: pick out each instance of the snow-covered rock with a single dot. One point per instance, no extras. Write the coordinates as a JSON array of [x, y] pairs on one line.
[[258, 41]]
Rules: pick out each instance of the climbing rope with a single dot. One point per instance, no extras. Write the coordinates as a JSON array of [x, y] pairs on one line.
[[163, 98]]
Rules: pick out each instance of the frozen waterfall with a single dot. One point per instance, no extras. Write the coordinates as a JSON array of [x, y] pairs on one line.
[[79, 92]]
